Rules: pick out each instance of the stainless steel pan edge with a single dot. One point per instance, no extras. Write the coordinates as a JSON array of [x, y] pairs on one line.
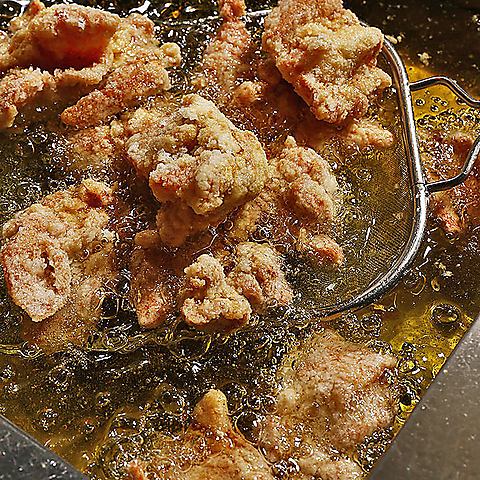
[[441, 438]]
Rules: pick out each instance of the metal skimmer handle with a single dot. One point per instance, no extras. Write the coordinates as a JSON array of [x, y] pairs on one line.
[[448, 183]]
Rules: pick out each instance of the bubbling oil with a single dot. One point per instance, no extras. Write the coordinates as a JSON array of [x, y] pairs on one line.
[[103, 405]]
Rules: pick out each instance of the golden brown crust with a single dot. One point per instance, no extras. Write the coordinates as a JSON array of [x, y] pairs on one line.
[[334, 394], [61, 36], [17, 89], [152, 290], [327, 55], [45, 243], [220, 294], [259, 277], [125, 87]]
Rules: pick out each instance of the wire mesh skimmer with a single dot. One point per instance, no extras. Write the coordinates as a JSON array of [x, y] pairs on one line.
[[398, 204]]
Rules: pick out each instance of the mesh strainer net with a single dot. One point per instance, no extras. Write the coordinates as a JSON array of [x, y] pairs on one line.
[[393, 206], [397, 203]]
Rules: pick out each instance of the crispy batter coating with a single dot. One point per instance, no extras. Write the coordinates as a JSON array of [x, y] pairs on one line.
[[259, 277], [93, 149], [443, 155], [78, 49], [334, 394], [199, 166], [299, 204], [327, 55], [208, 302], [210, 448], [218, 301], [48, 247]]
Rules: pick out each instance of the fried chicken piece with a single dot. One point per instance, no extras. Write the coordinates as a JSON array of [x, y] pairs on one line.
[[327, 55], [443, 155], [298, 205], [59, 37], [259, 277], [208, 302], [17, 89], [76, 320], [250, 89], [334, 394], [57, 253], [152, 290], [42, 240], [214, 300], [199, 166], [210, 448], [228, 57], [81, 48], [125, 87]]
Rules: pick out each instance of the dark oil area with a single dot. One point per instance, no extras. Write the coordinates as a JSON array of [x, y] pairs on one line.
[[100, 406]]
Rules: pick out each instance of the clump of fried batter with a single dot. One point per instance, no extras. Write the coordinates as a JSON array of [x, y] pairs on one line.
[[199, 167], [211, 448], [208, 301], [327, 55], [299, 204], [58, 253], [59, 53], [214, 299], [334, 394]]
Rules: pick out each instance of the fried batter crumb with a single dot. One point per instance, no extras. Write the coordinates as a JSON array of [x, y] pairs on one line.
[[327, 55]]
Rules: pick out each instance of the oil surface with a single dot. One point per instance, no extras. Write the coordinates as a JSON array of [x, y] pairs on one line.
[[99, 407]]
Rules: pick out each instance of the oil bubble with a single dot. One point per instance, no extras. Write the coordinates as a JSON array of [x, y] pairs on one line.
[[445, 314]]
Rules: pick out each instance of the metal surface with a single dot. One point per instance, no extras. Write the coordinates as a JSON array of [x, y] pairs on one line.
[[441, 438], [22, 458]]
